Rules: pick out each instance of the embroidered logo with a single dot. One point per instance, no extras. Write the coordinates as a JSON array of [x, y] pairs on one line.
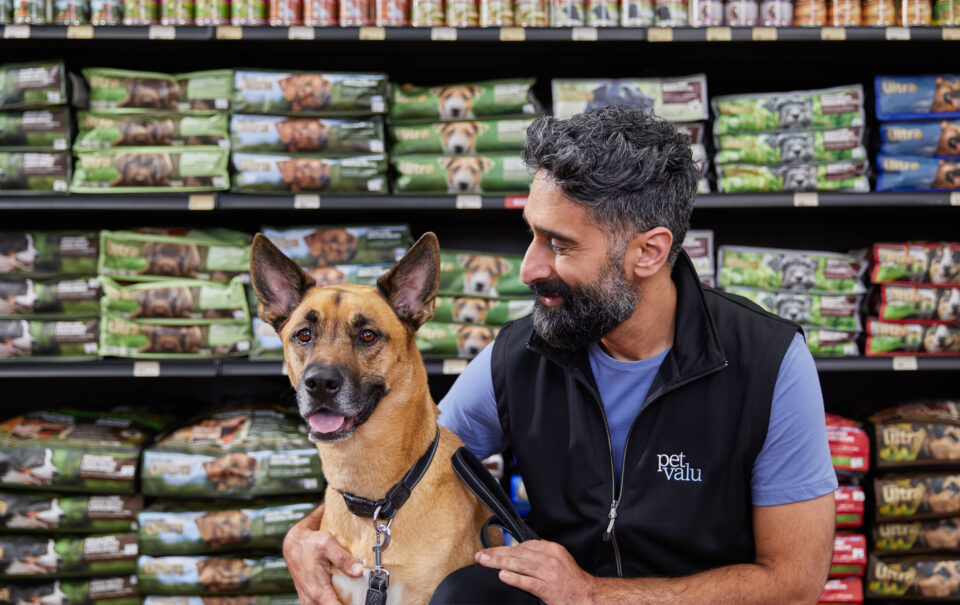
[[674, 468]]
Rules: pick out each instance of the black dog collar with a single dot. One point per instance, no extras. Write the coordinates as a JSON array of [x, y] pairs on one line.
[[398, 494]]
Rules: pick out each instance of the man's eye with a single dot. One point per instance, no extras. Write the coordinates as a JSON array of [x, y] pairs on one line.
[[555, 248], [304, 335], [368, 336]]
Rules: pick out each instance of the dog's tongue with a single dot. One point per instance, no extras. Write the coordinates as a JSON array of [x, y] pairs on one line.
[[323, 422]]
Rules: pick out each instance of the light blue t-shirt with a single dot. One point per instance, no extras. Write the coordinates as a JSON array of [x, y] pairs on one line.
[[794, 464]]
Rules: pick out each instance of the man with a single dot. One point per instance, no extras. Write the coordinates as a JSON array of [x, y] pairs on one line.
[[671, 437]]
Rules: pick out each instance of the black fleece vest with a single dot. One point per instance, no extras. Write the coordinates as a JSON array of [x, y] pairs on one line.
[[685, 504]]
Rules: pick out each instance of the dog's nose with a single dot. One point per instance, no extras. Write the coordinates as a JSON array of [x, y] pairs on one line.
[[322, 380]]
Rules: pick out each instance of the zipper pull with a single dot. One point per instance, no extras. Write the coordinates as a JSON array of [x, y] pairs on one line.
[[612, 515]]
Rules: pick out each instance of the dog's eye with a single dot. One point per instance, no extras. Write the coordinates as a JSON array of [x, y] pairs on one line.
[[304, 335], [367, 336]]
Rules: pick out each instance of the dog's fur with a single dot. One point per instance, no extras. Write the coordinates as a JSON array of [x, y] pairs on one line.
[[949, 143], [306, 91], [946, 534], [941, 339], [944, 266], [941, 581], [481, 273], [305, 174], [220, 528], [17, 297], [620, 93], [456, 102], [795, 307], [171, 260], [306, 134], [15, 338], [222, 575], [471, 310], [172, 339], [18, 512], [334, 246], [948, 307], [232, 470], [20, 248], [947, 96], [29, 557], [37, 594], [163, 302], [944, 498], [327, 276], [948, 175], [152, 94], [146, 132], [798, 271], [143, 170], [943, 443], [465, 173], [473, 339], [796, 148], [389, 417], [460, 137]]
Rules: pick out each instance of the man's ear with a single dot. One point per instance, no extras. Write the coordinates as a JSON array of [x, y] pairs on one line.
[[648, 252], [280, 284], [411, 286]]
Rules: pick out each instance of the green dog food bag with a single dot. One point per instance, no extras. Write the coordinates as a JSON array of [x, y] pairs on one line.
[[34, 172], [751, 178], [295, 173], [123, 90], [788, 147], [206, 91], [453, 339], [937, 264], [836, 312], [151, 169], [326, 245], [36, 129], [119, 590], [173, 338], [476, 310], [824, 342], [245, 452], [176, 299], [793, 270], [48, 253], [176, 575], [309, 93], [500, 173], [840, 107], [681, 99], [917, 301], [210, 254], [458, 138], [50, 513], [286, 134], [103, 129], [47, 557], [247, 599], [481, 274], [38, 338], [36, 84], [76, 297], [926, 338], [453, 102]]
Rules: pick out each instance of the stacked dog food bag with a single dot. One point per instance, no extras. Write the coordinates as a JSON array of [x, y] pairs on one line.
[[821, 291], [808, 140], [174, 293], [698, 244], [308, 132], [331, 255], [916, 538], [919, 132], [68, 506], [461, 138], [34, 128], [915, 299], [230, 484], [682, 100], [48, 295], [150, 132]]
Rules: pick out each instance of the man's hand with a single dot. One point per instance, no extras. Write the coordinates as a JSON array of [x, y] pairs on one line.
[[311, 556], [544, 569]]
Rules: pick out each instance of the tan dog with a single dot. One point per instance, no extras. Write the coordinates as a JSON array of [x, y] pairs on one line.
[[941, 339], [946, 535], [481, 273], [460, 137], [165, 302], [222, 575], [456, 102], [473, 339], [351, 353], [172, 339], [232, 470], [942, 581], [303, 134], [471, 310], [171, 260], [948, 176], [947, 499], [306, 91], [948, 307], [305, 174], [327, 276], [223, 527], [945, 446], [947, 96], [331, 246], [465, 173], [949, 143]]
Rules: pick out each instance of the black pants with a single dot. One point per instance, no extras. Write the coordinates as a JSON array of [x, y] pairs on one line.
[[478, 585]]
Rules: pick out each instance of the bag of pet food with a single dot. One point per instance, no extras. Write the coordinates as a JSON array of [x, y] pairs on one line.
[[911, 537], [923, 496], [850, 503], [38, 253], [173, 338], [102, 129], [42, 557], [837, 312], [48, 513], [285, 134], [840, 107], [823, 342], [929, 577], [176, 299], [842, 591], [34, 172], [750, 178], [259, 173], [849, 556], [698, 244], [453, 340], [457, 102], [681, 99], [48, 338], [457, 138], [171, 528], [119, 590], [849, 445], [909, 262], [245, 452], [36, 84], [791, 147], [918, 435], [151, 170], [36, 129], [207, 254], [309, 93], [64, 296], [927, 338], [123, 90], [694, 130], [794, 270], [246, 599], [914, 173], [501, 173], [926, 138], [913, 301], [322, 246], [481, 274], [911, 97], [212, 575], [486, 311]]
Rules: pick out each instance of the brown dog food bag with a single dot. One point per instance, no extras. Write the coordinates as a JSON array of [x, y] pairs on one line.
[[921, 434], [917, 536], [929, 578], [917, 496], [309, 93]]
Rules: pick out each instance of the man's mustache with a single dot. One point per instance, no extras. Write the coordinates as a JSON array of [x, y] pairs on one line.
[[553, 287]]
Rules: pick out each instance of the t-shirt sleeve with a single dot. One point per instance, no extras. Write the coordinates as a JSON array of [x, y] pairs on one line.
[[794, 464], [470, 408]]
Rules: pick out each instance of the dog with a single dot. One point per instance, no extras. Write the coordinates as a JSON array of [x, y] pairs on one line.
[[943, 580], [456, 102], [948, 176], [232, 470], [941, 339], [163, 302], [944, 266], [222, 575], [17, 252], [306, 91], [948, 307], [460, 137], [220, 528], [305, 174], [327, 276], [943, 443], [218, 431], [800, 178], [619, 93], [29, 557], [471, 310], [152, 94], [465, 173], [143, 170], [28, 466], [15, 338], [331, 246], [17, 297], [302, 135], [949, 143], [481, 273], [171, 260], [945, 497], [37, 594], [172, 339], [23, 513], [473, 339], [798, 271], [796, 148], [945, 535], [794, 307], [146, 132], [350, 351], [947, 96], [794, 112]]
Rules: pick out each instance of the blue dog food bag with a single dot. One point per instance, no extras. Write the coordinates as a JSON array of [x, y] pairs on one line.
[[914, 173], [934, 138], [910, 97]]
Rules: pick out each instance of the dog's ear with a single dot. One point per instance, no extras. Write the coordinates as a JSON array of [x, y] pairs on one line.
[[446, 162], [288, 86], [279, 283], [503, 266], [285, 131], [485, 164], [776, 263], [480, 128], [475, 91], [411, 286], [443, 128], [464, 260]]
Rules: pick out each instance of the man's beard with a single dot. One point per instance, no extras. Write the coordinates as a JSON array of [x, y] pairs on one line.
[[588, 312]]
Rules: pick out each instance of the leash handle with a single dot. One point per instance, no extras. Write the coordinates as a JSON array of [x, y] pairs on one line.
[[377, 589]]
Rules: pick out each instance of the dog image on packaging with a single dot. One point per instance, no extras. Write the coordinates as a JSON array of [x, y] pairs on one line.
[[467, 101], [40, 513], [909, 97], [48, 252], [909, 173]]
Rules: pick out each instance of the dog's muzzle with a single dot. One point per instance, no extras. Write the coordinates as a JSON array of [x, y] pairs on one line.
[[333, 402]]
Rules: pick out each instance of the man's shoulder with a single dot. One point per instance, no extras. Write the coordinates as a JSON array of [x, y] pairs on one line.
[[513, 335]]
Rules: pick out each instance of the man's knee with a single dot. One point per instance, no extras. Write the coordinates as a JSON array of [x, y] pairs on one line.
[[478, 585]]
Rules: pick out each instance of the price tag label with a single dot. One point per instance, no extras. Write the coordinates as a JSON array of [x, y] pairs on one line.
[[373, 34], [306, 201], [806, 199], [513, 34], [660, 34], [79, 32], [950, 34], [469, 202], [719, 34], [162, 32], [201, 202], [905, 364], [453, 366], [443, 34], [515, 202], [301, 32], [764, 34], [898, 33], [833, 34], [955, 198], [20, 32], [146, 369], [584, 34], [229, 32]]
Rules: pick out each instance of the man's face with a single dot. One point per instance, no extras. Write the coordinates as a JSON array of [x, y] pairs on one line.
[[572, 266]]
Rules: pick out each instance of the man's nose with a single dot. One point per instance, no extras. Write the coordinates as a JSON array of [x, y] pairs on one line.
[[537, 264]]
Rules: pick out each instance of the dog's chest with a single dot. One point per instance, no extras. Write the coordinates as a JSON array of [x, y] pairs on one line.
[[353, 591]]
